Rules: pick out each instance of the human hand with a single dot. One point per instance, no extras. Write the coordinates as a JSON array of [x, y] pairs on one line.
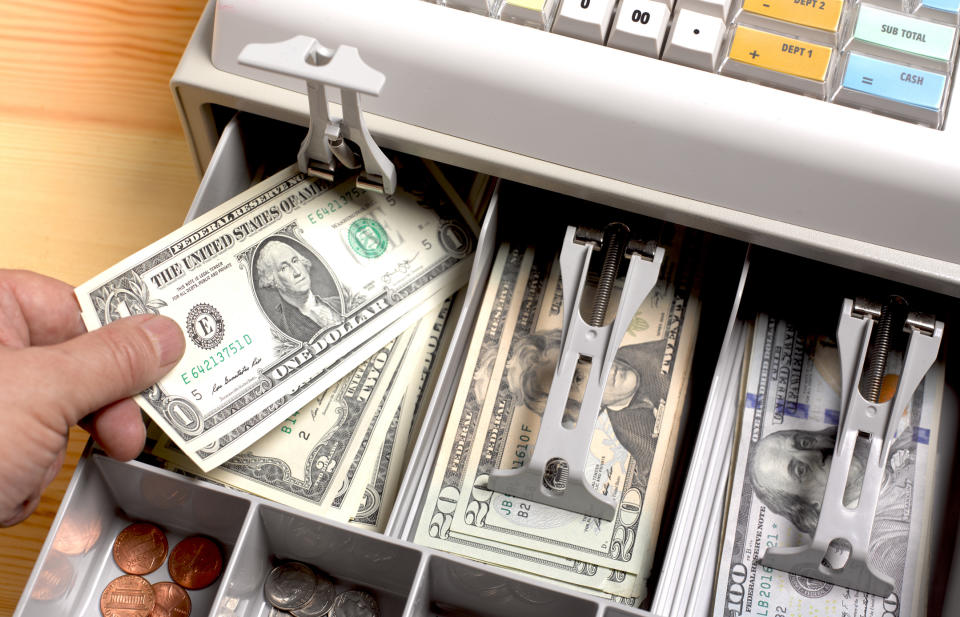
[[54, 375]]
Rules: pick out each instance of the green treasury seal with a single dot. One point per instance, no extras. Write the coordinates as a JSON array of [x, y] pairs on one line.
[[367, 238]]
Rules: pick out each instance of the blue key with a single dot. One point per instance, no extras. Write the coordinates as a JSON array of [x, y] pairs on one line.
[[895, 82], [947, 6]]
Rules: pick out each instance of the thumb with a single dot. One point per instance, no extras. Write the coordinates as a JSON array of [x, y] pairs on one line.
[[112, 363]]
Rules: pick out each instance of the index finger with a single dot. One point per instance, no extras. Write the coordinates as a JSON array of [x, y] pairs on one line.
[[48, 307]]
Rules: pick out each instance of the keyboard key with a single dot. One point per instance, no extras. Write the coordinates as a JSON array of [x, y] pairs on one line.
[[778, 60], [486, 8], [715, 8], [640, 27], [535, 13], [943, 11], [588, 20], [900, 37], [817, 20], [894, 89], [695, 40], [893, 5]]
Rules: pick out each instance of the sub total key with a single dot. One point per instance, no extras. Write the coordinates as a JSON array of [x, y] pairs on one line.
[[902, 38]]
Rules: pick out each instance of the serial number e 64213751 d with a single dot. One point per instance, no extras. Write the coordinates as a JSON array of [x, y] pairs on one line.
[[216, 358]]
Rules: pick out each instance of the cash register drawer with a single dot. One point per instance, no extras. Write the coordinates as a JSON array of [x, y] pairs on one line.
[[75, 563]]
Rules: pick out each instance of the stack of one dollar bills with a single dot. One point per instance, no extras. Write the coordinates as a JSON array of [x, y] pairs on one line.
[[289, 292], [343, 454]]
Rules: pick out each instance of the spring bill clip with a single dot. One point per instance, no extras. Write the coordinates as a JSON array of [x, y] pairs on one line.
[[554, 472], [844, 530], [326, 143]]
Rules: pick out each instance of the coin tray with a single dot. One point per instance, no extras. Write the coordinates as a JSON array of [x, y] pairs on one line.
[[354, 561], [105, 496], [408, 580]]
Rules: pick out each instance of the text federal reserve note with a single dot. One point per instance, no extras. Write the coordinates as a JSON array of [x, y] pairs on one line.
[[273, 287]]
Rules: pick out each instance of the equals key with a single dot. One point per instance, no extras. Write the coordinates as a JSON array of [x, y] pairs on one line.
[[893, 88]]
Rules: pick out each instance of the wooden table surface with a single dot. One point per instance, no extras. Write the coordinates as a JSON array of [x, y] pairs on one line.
[[93, 164]]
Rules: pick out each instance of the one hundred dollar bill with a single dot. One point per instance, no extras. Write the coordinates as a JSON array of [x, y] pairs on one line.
[[273, 288], [786, 439]]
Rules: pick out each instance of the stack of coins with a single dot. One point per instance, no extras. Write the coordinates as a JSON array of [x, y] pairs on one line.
[[300, 590], [141, 548]]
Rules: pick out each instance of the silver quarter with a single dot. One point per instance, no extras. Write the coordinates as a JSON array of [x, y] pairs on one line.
[[290, 585], [321, 602], [355, 603]]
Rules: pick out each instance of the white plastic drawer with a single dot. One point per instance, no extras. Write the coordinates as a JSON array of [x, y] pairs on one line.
[[408, 579]]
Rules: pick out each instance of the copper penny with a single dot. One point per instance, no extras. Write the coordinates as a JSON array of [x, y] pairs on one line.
[[140, 548], [77, 534], [172, 600], [127, 596], [195, 562], [54, 578]]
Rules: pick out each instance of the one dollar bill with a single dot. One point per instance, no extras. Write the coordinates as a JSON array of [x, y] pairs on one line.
[[300, 463], [275, 287]]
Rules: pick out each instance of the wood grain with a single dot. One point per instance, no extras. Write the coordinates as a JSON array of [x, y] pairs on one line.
[[93, 164]]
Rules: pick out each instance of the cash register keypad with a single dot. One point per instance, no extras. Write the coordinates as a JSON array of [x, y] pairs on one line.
[[891, 57]]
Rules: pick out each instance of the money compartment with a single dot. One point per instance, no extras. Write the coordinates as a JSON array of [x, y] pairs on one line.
[[77, 563], [798, 301], [352, 560], [520, 212], [453, 586]]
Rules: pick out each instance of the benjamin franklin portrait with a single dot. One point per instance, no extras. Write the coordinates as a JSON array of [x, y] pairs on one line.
[[788, 470], [296, 291]]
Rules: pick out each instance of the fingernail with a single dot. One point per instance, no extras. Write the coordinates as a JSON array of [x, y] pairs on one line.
[[166, 337]]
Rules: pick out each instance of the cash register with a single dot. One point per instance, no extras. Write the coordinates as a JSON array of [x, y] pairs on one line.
[[805, 132]]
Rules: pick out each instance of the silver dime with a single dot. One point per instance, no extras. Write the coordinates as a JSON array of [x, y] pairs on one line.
[[355, 603], [290, 585], [321, 602]]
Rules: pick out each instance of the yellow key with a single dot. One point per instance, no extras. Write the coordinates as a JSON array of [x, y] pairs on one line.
[[532, 5], [820, 14], [780, 53]]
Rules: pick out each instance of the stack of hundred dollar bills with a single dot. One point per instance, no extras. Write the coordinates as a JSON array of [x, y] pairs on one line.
[[494, 421], [313, 316], [783, 455]]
